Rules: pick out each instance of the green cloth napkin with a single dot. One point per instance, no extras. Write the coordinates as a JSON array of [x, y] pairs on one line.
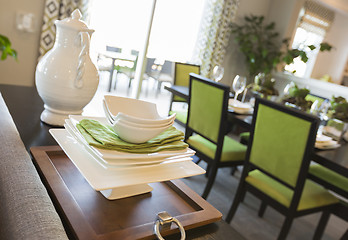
[[101, 136]]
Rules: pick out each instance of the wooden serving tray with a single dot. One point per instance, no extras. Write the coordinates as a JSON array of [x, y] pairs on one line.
[[87, 214]]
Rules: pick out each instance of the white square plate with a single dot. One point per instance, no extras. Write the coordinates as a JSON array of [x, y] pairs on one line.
[[101, 179], [113, 154], [107, 163]]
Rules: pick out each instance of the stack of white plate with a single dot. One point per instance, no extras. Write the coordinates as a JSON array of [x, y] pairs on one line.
[[240, 107], [120, 174], [134, 120], [326, 142]]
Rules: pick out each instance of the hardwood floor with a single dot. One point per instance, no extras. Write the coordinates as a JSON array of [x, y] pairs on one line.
[[246, 220]]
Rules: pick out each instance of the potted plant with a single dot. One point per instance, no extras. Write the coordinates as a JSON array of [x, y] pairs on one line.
[[339, 109], [263, 51], [6, 49], [297, 97], [337, 124], [264, 85]]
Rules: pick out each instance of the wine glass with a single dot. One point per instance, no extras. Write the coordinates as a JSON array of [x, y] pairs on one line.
[[315, 108], [218, 73], [239, 83], [324, 107], [287, 88]]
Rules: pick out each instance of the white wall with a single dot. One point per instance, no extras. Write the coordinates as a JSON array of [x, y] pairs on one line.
[[26, 44], [333, 62], [285, 14], [234, 59]]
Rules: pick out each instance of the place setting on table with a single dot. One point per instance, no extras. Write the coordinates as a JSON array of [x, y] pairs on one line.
[[236, 106], [239, 85]]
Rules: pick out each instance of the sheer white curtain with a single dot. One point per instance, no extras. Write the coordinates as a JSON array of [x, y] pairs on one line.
[[214, 33]]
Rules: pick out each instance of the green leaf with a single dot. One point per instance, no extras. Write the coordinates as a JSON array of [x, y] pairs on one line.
[[6, 49], [270, 26], [325, 47], [311, 47]]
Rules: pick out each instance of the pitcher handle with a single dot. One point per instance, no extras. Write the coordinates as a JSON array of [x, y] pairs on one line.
[[84, 40]]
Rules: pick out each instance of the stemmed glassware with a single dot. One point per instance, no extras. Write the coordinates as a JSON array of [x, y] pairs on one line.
[[218, 73], [320, 109], [239, 83]]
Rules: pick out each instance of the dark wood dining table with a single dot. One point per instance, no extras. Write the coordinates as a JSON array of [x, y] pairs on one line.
[[25, 107], [334, 159]]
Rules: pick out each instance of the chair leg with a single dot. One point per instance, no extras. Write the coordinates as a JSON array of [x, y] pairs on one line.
[[321, 225], [212, 174], [233, 170], [196, 159], [345, 236], [207, 171], [262, 209], [237, 199], [159, 85], [285, 228]]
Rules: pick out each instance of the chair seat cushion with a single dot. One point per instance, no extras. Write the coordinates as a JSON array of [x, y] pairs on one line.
[[180, 115], [244, 137], [313, 195], [231, 150], [329, 176]]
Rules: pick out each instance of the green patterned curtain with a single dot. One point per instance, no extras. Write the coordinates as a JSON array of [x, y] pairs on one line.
[[57, 10], [214, 34]]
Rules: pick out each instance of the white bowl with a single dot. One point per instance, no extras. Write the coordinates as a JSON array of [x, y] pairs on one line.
[[130, 106], [134, 134], [157, 122], [139, 125]]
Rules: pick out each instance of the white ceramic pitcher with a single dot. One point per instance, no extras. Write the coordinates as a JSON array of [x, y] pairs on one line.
[[65, 77]]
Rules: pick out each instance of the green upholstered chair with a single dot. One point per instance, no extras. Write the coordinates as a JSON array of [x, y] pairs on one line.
[[206, 125], [165, 75], [277, 162], [244, 137], [182, 78], [123, 68], [329, 179], [313, 98], [336, 183]]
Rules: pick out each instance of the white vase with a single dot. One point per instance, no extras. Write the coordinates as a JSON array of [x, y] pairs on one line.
[[65, 77]]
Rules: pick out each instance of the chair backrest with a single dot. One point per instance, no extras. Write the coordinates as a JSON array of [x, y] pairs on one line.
[[149, 63], [207, 110], [181, 76], [113, 49], [134, 52], [167, 67], [281, 142], [313, 98]]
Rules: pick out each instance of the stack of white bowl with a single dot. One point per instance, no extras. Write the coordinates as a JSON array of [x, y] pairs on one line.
[[134, 120]]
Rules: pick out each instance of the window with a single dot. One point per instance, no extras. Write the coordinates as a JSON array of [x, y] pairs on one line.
[[314, 22], [124, 24]]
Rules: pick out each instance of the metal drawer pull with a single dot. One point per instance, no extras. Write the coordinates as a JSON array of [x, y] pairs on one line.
[[164, 221]]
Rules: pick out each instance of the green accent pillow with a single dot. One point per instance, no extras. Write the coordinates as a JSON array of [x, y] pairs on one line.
[[231, 150], [329, 176], [313, 195]]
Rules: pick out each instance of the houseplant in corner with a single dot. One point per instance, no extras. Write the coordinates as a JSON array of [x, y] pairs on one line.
[[263, 50], [6, 49]]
